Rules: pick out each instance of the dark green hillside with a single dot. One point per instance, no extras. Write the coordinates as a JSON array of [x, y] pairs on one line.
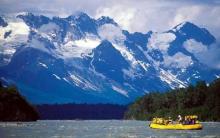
[[200, 99], [13, 107]]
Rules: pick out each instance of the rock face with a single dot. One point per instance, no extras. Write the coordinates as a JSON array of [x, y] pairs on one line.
[[13, 107]]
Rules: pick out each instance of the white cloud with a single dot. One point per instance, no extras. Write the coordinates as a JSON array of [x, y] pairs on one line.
[[179, 60], [159, 15], [38, 45], [207, 55], [111, 33], [194, 47], [124, 19], [212, 57], [160, 41], [114, 34], [187, 13], [141, 16], [49, 28], [202, 15]]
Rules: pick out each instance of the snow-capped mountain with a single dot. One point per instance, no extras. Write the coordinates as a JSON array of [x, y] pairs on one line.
[[85, 60]]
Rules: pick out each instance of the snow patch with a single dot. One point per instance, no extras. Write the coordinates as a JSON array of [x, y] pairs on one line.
[[19, 32], [183, 70], [43, 65], [66, 80], [121, 91], [129, 73], [83, 83], [78, 48], [144, 65], [7, 51], [126, 54], [76, 80], [87, 43], [57, 77], [171, 79]]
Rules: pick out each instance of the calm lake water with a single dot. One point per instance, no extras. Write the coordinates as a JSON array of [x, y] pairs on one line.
[[99, 129]]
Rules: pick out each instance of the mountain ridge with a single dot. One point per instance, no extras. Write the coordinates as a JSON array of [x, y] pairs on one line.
[[84, 60]]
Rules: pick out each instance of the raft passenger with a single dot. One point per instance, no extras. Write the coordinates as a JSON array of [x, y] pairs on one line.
[[179, 119], [170, 121]]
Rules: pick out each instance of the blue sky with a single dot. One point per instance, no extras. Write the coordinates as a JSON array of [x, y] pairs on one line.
[[142, 16]]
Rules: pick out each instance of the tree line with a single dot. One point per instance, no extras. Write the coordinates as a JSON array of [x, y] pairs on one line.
[[14, 107], [81, 111], [201, 99]]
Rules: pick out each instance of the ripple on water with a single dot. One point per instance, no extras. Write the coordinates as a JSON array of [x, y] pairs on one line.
[[100, 129]]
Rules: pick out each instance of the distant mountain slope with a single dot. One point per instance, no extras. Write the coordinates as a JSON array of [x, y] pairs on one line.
[[84, 60]]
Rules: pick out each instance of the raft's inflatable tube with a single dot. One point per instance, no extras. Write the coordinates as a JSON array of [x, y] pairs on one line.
[[176, 126]]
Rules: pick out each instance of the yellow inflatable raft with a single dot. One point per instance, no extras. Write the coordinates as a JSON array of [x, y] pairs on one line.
[[189, 123], [176, 126]]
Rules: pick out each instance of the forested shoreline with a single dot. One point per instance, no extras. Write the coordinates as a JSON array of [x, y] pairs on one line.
[[14, 107], [200, 99], [81, 111]]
